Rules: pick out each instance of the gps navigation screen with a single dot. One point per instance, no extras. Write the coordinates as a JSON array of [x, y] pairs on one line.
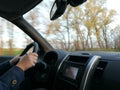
[[71, 72]]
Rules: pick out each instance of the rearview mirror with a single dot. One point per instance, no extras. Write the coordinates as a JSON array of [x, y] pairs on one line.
[[58, 8]]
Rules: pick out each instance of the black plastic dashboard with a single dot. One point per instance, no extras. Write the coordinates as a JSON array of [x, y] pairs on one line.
[[84, 70]]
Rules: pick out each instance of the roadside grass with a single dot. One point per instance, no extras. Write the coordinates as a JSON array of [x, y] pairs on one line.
[[10, 52], [104, 49], [17, 51]]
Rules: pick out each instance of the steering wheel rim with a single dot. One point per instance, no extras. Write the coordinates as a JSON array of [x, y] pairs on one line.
[[35, 49]]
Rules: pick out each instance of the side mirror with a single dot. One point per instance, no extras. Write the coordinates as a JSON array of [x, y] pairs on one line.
[[58, 8]]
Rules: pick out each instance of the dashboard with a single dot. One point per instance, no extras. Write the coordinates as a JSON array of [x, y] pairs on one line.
[[83, 70]]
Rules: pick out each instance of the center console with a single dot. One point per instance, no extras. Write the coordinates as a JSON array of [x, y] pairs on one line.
[[74, 72]]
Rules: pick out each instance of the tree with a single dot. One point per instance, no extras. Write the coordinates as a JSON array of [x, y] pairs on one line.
[[61, 29], [11, 37], [95, 18], [86, 26], [1, 40], [115, 33]]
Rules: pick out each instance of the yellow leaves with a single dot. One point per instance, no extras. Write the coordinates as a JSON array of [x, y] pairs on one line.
[[89, 24], [53, 28]]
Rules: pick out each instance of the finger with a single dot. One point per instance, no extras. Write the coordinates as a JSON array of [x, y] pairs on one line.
[[35, 61], [35, 54], [35, 58], [33, 64]]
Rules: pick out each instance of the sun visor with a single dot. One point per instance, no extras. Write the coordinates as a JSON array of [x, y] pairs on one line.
[[11, 9]]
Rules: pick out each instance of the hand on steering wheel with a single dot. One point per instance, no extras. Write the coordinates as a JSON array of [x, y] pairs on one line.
[[35, 49], [29, 60]]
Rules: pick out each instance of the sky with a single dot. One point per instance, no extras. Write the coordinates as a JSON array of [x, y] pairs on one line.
[[114, 4]]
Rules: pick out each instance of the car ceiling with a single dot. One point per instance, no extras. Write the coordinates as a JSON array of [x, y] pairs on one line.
[[11, 9]]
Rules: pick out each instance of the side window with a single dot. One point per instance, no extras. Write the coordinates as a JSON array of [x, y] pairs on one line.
[[12, 39]]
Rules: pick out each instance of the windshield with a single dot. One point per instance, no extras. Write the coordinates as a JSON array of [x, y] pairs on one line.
[[93, 25]]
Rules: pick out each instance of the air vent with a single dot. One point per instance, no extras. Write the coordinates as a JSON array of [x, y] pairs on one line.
[[85, 53], [78, 59], [96, 80]]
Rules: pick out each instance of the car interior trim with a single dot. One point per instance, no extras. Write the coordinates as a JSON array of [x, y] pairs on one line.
[[89, 71], [65, 58]]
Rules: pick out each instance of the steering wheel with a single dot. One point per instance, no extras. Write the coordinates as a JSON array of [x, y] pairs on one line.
[[29, 73], [35, 49]]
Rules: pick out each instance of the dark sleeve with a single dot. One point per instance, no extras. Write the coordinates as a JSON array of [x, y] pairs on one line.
[[4, 67], [11, 79]]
